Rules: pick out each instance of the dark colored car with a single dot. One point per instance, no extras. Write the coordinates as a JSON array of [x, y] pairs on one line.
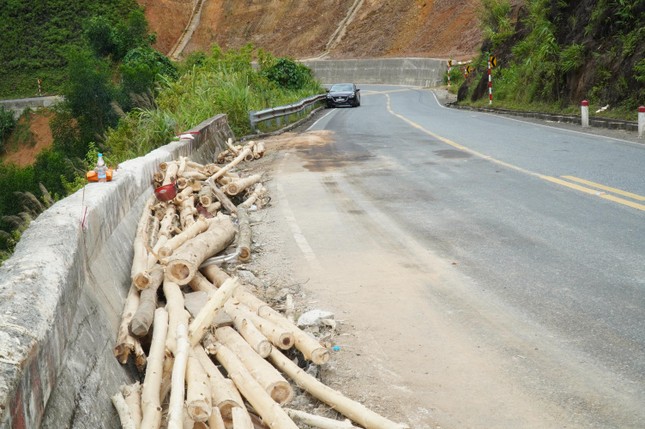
[[343, 94]]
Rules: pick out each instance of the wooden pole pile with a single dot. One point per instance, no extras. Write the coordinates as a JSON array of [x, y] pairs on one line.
[[208, 348]]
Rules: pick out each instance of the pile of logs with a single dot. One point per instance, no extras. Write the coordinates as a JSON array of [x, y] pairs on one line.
[[211, 352]]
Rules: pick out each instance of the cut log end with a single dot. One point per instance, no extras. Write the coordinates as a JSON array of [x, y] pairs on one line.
[[244, 254], [286, 341], [263, 348], [199, 411], [179, 272], [281, 392], [320, 356]]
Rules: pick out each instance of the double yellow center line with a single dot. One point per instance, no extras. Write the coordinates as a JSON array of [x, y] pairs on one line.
[[599, 190], [608, 193]]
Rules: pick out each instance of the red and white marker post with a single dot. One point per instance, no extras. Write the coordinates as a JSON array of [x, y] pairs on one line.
[[641, 121], [490, 81], [584, 113]]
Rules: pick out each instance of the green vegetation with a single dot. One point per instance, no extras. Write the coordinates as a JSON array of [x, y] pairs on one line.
[[7, 125], [124, 99], [553, 54]]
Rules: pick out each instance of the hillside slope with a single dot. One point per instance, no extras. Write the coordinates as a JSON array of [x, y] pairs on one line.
[[302, 29]]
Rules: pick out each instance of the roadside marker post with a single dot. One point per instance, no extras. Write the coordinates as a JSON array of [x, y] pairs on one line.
[[492, 62], [449, 69], [584, 113], [641, 121]]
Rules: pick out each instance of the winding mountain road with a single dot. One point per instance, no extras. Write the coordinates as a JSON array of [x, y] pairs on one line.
[[489, 272]]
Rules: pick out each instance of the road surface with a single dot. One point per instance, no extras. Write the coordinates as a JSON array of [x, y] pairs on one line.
[[488, 272]]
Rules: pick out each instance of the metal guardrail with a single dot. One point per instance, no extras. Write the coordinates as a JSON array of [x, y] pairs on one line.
[[276, 115]]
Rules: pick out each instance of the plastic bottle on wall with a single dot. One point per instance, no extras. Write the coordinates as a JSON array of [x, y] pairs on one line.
[[101, 169]]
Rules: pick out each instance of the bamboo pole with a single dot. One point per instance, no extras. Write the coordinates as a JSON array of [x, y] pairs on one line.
[[269, 378], [216, 300], [176, 403], [272, 414], [318, 421], [198, 393], [353, 410], [150, 400], [185, 261]]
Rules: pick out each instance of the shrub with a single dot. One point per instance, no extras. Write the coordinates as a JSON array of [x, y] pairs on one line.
[[288, 74], [7, 124]]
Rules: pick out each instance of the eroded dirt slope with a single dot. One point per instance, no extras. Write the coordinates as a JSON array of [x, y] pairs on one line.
[[302, 29]]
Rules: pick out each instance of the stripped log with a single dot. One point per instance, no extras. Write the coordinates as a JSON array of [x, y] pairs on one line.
[[170, 173], [251, 334], [269, 378], [272, 414], [176, 403], [192, 231], [141, 239], [198, 393], [278, 336], [123, 411], [223, 396], [205, 196], [236, 186], [126, 343], [244, 236], [309, 346], [258, 150], [248, 150], [185, 261], [221, 196], [216, 421], [258, 191], [318, 421], [142, 319], [150, 398], [216, 301], [199, 283], [132, 395], [241, 419], [215, 274], [353, 410]]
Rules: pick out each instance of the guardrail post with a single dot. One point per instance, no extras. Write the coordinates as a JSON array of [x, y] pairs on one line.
[[252, 121], [584, 113], [641, 121]]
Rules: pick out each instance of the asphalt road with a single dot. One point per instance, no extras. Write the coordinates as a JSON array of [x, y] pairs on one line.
[[545, 222]]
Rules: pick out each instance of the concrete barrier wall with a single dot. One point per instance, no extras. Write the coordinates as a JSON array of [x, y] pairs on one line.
[[396, 71], [63, 290], [19, 105]]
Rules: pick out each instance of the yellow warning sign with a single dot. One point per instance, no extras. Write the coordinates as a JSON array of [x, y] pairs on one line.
[[493, 61]]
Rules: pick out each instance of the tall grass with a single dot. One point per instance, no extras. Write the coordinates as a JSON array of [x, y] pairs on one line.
[[221, 82]]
